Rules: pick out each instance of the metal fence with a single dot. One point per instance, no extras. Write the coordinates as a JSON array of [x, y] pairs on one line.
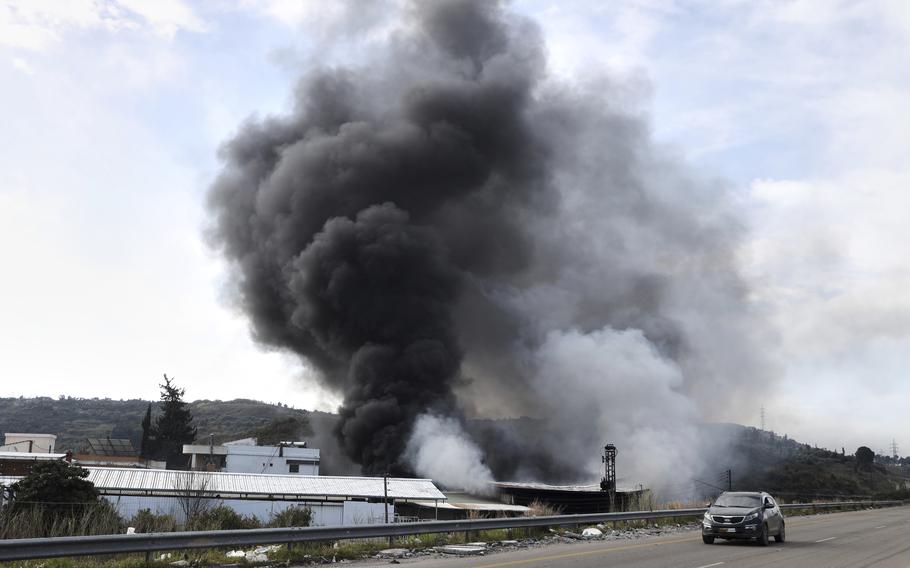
[[30, 548]]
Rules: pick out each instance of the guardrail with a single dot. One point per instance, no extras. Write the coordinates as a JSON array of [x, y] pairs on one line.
[[32, 548]]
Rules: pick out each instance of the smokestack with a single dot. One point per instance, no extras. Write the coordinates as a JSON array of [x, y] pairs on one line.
[[447, 227]]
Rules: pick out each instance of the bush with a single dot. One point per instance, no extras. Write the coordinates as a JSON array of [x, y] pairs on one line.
[[36, 521], [145, 521], [295, 516], [222, 518], [60, 487]]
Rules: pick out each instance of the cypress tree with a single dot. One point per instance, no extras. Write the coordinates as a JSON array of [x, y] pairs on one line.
[[174, 426]]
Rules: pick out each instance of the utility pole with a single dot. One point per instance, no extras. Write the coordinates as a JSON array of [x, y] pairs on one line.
[[385, 493], [729, 474]]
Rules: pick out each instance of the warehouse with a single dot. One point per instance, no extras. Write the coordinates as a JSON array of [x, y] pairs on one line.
[[333, 500]]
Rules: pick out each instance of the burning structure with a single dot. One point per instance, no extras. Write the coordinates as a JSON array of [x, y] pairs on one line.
[[446, 229]]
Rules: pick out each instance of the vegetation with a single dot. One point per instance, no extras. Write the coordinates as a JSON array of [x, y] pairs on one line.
[[73, 420], [173, 428], [56, 484], [285, 429]]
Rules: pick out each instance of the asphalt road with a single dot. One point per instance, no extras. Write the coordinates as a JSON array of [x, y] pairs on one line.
[[878, 538]]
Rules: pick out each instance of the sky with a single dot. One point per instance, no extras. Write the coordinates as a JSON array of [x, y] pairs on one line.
[[113, 112]]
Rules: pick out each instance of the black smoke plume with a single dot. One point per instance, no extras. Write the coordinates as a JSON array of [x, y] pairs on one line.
[[446, 230], [352, 225]]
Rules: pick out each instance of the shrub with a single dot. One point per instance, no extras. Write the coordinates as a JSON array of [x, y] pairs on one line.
[[60, 487], [145, 521], [222, 518], [295, 516]]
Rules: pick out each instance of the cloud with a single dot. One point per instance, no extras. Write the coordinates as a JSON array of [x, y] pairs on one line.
[[39, 25], [23, 66]]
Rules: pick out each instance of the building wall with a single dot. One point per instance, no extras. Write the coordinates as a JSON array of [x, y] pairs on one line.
[[324, 514], [40, 443], [267, 459]]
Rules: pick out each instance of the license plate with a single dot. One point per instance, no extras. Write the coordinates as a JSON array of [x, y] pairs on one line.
[[728, 530]]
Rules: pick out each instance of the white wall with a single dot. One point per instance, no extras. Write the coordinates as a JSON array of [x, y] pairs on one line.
[[41, 443], [270, 459], [324, 514]]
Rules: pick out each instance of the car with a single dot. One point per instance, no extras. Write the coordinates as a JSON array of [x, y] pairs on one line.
[[742, 515]]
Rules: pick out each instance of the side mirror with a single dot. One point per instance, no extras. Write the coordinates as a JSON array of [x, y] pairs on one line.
[[768, 505]]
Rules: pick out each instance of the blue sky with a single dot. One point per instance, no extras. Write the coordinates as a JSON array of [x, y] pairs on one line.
[[113, 112]]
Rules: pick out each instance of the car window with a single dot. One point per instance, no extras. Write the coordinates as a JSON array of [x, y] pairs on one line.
[[727, 500]]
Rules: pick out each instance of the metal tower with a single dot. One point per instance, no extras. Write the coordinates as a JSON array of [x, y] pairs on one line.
[[608, 483]]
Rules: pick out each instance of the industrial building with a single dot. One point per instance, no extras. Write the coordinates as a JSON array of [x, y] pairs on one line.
[[333, 500], [244, 456]]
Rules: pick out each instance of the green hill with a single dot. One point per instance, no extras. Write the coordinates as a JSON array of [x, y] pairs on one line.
[[759, 459]]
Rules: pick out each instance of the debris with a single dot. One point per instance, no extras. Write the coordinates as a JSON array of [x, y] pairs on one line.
[[393, 552], [180, 563], [462, 550], [130, 530], [482, 544], [235, 554], [591, 532], [508, 542]]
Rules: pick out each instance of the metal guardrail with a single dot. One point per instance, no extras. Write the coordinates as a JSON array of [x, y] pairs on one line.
[[31, 548]]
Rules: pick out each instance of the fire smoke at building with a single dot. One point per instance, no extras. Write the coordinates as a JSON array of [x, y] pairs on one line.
[[447, 230]]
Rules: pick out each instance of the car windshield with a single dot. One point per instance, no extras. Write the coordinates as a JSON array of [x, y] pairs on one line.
[[738, 501]]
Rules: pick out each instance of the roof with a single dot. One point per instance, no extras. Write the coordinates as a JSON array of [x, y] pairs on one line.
[[111, 447], [28, 435], [158, 481], [545, 487], [473, 506], [25, 456]]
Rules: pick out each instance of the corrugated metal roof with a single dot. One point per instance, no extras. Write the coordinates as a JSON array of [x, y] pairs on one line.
[[545, 487], [474, 506], [252, 484]]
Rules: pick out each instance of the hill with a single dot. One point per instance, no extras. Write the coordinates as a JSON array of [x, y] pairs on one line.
[[758, 459], [764, 460]]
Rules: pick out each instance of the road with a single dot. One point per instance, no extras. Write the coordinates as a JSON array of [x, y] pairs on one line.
[[879, 538]]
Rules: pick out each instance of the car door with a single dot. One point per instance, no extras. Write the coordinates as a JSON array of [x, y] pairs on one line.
[[773, 517]]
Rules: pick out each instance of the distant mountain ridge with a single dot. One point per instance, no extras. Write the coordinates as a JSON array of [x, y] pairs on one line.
[[759, 459]]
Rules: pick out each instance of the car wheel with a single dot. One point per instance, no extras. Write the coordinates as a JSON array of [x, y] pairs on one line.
[[763, 537], [707, 539], [782, 535]]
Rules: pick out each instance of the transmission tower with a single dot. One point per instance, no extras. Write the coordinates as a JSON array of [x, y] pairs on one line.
[[608, 483], [894, 448], [763, 417]]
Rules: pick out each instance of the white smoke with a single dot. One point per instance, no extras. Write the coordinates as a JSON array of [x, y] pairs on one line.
[[440, 449], [614, 386]]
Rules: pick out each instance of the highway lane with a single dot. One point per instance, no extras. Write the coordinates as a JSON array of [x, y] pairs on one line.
[[879, 538]]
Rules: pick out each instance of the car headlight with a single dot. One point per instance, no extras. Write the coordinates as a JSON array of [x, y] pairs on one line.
[[751, 516], [708, 517]]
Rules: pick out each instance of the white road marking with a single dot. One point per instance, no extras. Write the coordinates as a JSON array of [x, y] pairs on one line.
[[709, 565], [826, 539], [881, 526]]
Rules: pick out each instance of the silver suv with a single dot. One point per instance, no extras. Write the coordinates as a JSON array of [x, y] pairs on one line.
[[743, 515]]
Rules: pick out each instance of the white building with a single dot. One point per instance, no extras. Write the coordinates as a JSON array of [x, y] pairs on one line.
[[333, 500], [29, 443], [244, 456]]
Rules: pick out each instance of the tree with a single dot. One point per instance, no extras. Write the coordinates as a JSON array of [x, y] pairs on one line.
[[145, 446], [174, 426], [57, 485], [864, 457]]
